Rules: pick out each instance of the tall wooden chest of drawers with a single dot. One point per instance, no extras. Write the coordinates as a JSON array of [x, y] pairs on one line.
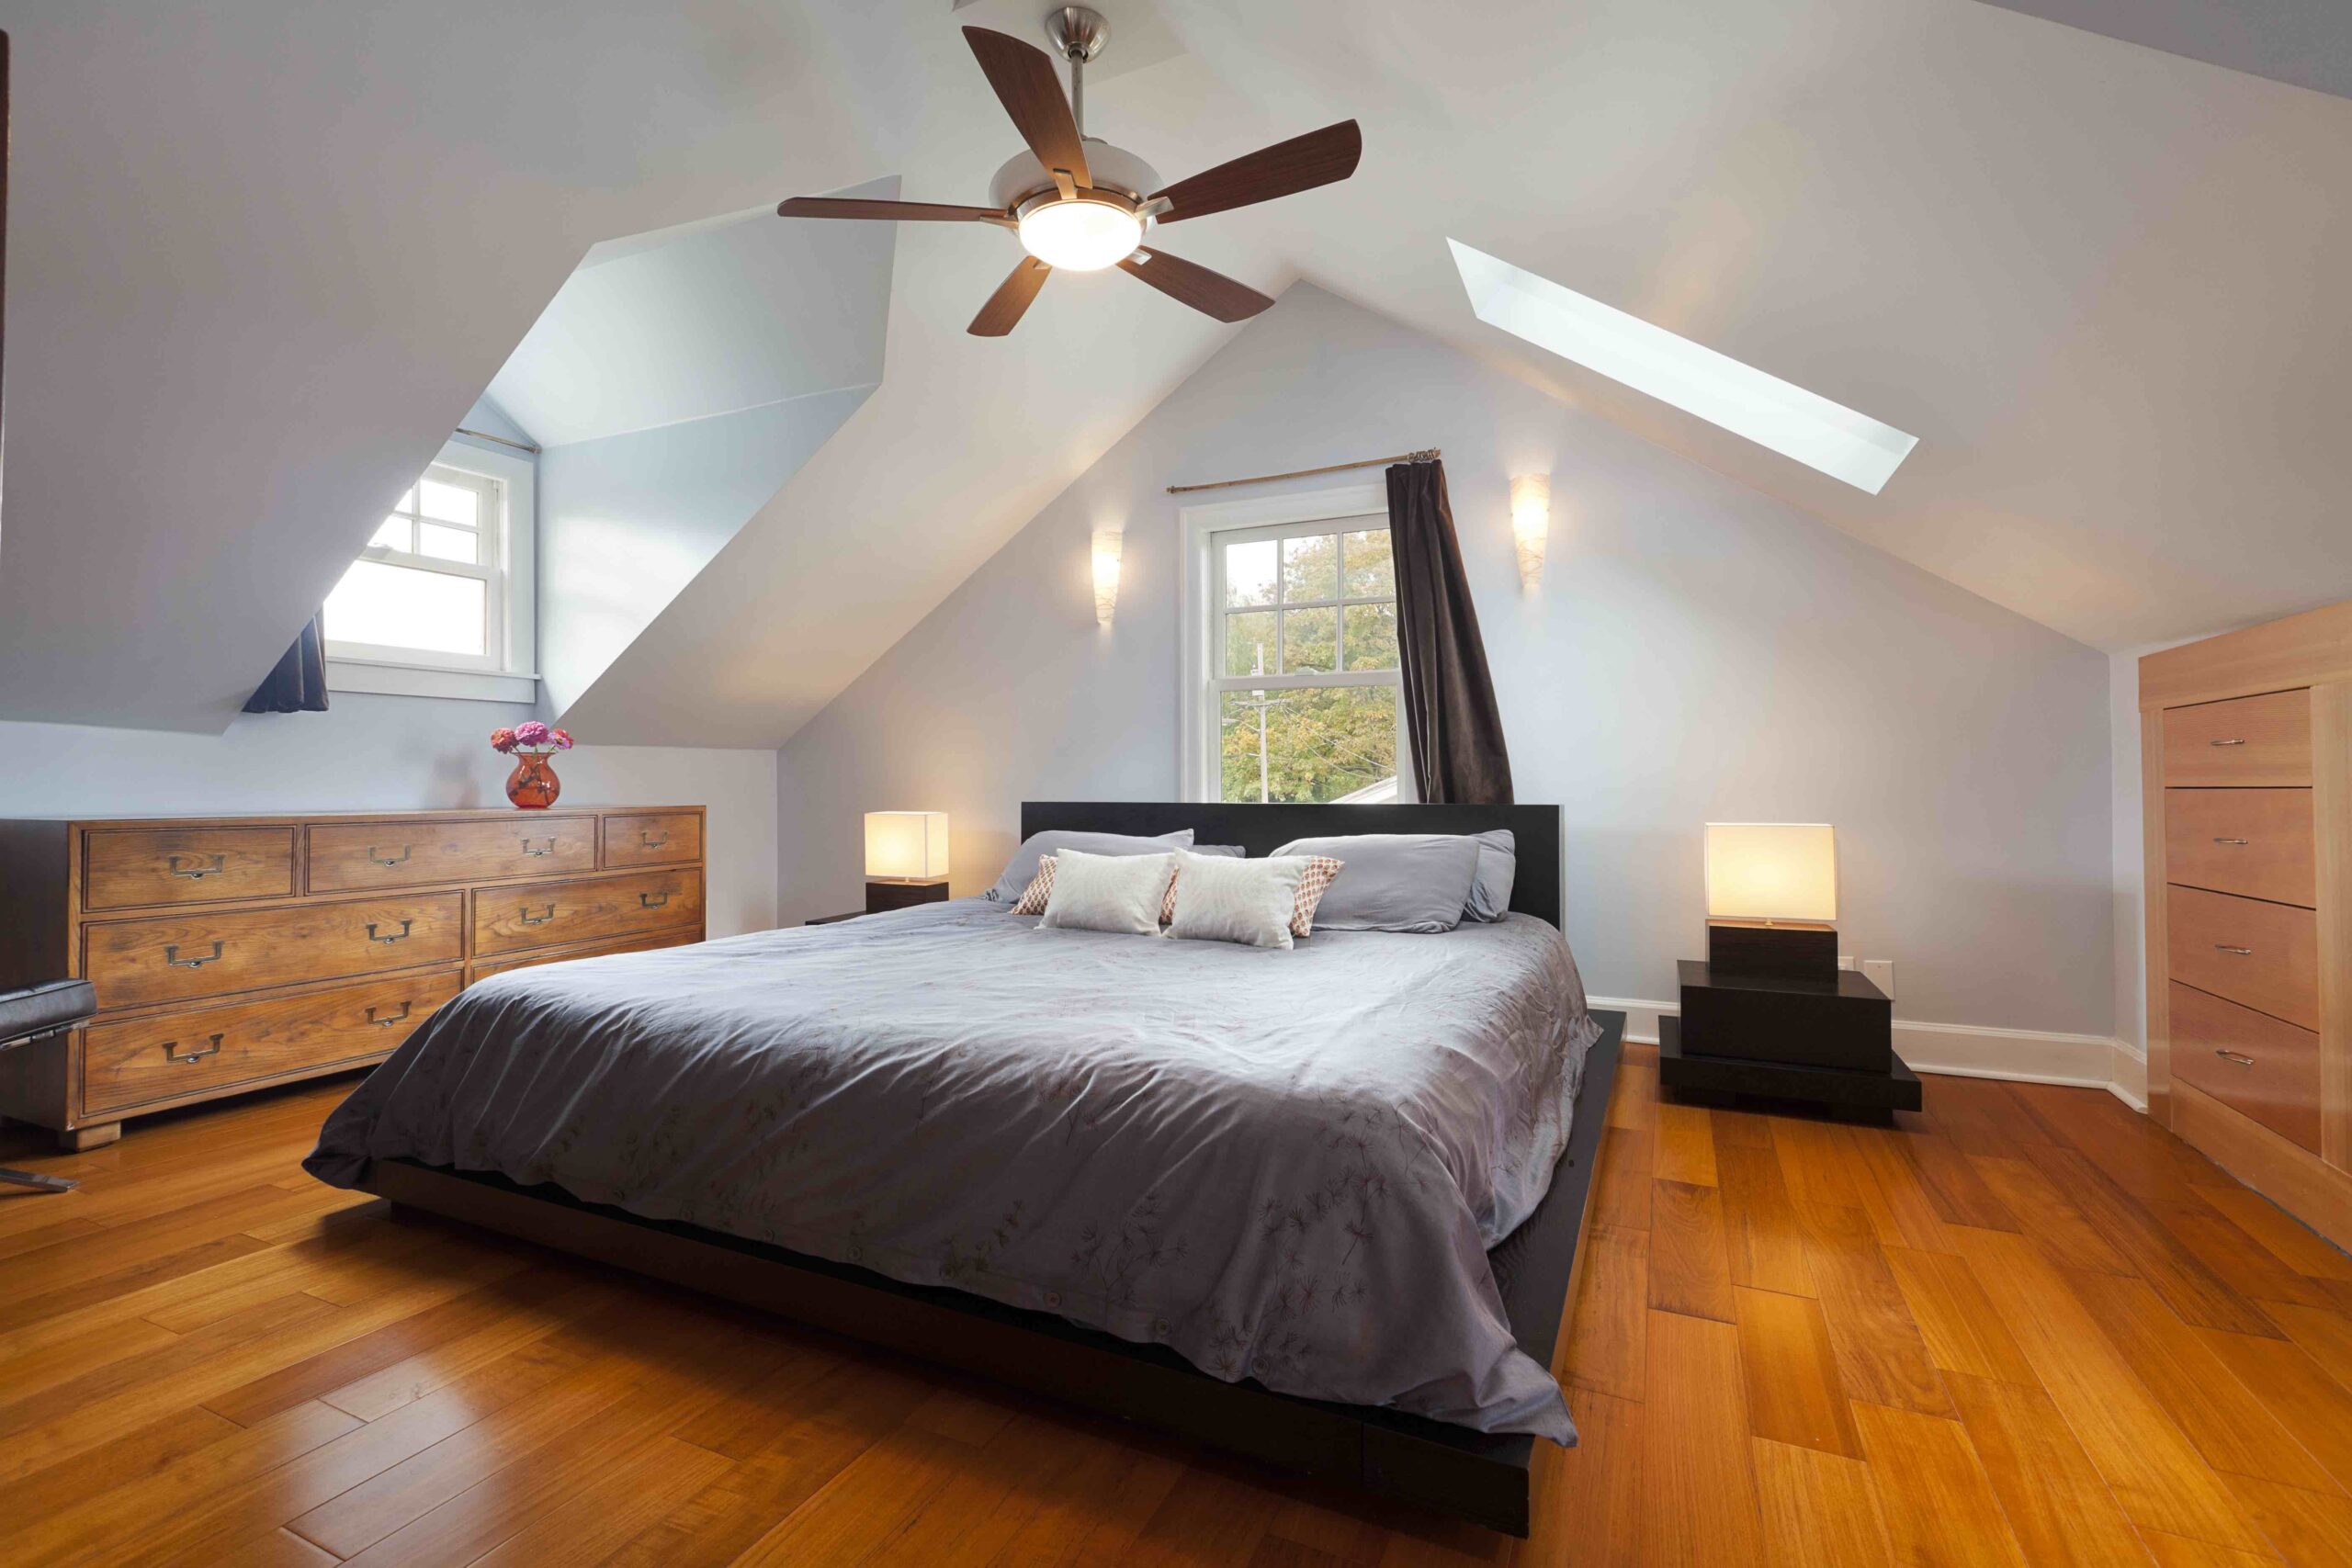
[[232, 953], [2246, 786]]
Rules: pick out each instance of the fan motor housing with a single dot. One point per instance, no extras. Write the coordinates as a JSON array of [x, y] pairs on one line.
[[1111, 168]]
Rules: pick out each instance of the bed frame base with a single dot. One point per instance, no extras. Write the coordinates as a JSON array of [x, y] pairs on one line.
[[1478, 1476]]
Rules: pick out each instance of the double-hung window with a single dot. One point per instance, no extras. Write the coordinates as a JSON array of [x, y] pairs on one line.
[[1295, 690], [442, 587]]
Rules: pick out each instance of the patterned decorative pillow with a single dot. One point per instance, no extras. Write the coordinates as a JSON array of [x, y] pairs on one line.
[[1040, 891], [1320, 870]]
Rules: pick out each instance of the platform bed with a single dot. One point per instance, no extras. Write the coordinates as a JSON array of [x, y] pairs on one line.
[[1483, 1477]]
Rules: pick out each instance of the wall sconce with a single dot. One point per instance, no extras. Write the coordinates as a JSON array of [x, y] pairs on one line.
[[1108, 546], [1531, 524]]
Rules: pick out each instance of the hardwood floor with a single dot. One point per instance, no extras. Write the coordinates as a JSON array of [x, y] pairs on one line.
[[2026, 1326]]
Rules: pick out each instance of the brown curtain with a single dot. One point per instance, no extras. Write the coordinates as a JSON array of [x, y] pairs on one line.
[[1450, 715], [299, 684]]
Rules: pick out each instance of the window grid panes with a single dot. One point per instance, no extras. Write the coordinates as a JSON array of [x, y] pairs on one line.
[[1304, 693], [429, 587]]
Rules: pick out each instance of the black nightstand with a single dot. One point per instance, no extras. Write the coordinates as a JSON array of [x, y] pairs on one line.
[[1827, 1042]]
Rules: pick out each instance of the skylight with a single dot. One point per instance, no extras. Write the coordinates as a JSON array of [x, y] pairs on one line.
[[1743, 400]]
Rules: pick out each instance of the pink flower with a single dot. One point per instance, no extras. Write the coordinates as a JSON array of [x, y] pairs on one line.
[[561, 739], [531, 732], [502, 741]]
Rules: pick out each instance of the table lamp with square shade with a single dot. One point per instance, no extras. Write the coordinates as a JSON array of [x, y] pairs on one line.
[[1772, 899], [906, 859]]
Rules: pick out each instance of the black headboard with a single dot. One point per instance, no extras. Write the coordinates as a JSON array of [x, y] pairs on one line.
[[1262, 829]]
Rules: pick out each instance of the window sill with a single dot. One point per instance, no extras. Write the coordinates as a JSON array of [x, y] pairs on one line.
[[422, 681]]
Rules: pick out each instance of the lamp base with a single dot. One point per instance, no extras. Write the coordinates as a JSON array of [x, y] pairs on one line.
[[1772, 950], [891, 893]]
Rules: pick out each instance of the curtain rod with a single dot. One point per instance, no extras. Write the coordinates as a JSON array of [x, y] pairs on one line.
[[1429, 456], [486, 435]]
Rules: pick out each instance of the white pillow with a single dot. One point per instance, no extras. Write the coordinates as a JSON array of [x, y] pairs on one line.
[[1247, 901], [1109, 893]]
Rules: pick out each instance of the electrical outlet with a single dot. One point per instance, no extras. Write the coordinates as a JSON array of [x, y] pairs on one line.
[[1879, 972], [1847, 961]]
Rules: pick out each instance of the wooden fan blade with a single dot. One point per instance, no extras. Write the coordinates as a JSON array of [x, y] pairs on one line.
[[1031, 91], [1212, 293], [904, 211], [1317, 158], [1006, 306]]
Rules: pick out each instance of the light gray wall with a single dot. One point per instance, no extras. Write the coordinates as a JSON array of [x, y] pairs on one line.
[[372, 753], [1696, 651], [627, 521]]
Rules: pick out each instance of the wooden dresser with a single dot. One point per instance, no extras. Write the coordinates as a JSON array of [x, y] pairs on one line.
[[229, 952], [2246, 781]]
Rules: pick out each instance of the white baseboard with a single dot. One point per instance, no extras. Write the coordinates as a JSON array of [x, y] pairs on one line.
[[1971, 1051]]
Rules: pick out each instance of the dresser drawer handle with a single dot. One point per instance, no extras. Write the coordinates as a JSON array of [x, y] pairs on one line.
[[399, 935], [400, 859], [538, 854], [2225, 743], [400, 1017], [172, 1050], [540, 920], [2235, 952], [645, 843], [201, 868], [2237, 1058], [2230, 840], [172, 956], [652, 900]]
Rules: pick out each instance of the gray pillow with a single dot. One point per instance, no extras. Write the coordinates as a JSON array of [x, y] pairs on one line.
[[1393, 882], [1023, 867], [1497, 869], [1230, 852]]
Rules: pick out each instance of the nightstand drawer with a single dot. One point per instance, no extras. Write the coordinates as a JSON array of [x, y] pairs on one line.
[[660, 838], [173, 958], [2265, 956], [194, 1053], [352, 856], [562, 914], [124, 868], [2256, 842], [2250, 1062], [2244, 742]]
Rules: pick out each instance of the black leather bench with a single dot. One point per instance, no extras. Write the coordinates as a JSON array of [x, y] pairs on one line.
[[35, 1013]]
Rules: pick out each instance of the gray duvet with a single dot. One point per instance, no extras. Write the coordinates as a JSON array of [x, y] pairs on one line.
[[1285, 1166]]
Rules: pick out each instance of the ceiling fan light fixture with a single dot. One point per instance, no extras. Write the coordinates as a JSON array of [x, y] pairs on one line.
[[1083, 235]]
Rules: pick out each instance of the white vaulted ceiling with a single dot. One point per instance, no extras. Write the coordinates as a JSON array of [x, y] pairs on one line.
[[263, 256]]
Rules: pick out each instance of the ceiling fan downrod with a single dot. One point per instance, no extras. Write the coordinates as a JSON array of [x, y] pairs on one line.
[[1078, 34]]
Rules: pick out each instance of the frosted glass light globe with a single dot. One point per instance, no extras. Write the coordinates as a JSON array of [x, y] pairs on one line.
[[1081, 235]]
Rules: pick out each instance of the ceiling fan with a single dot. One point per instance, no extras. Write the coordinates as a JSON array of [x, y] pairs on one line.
[[1080, 204]]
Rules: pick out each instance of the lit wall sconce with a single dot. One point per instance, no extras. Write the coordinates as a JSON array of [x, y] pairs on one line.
[[1108, 545], [1531, 524]]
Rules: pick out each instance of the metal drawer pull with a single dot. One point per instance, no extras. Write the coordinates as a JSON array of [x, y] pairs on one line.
[[645, 843], [2225, 743], [399, 859], [2229, 841], [172, 956], [400, 1017], [543, 919], [538, 854], [2239, 1058], [2240, 952], [171, 1049], [203, 868], [652, 901], [399, 935]]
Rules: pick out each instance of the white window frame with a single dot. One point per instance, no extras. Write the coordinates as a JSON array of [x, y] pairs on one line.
[[1199, 598], [507, 673]]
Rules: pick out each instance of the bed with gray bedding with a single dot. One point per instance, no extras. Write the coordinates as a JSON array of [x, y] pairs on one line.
[[1283, 1166]]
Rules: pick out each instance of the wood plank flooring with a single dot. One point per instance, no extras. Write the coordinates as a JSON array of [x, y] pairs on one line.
[[2026, 1327]]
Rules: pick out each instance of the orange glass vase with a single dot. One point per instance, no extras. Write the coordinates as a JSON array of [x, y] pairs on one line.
[[533, 785]]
